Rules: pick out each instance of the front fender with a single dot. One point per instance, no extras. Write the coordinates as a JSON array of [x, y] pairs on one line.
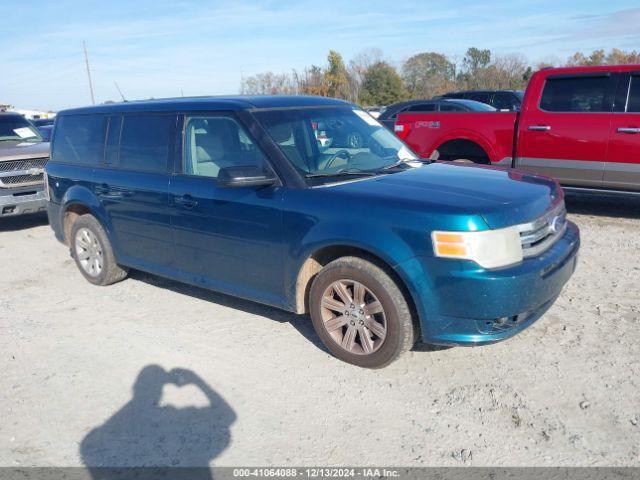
[[382, 243]]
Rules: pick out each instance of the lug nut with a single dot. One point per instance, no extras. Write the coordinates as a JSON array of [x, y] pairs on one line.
[[352, 322], [361, 322]]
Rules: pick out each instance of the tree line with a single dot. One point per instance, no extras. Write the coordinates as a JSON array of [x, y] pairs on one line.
[[369, 79]]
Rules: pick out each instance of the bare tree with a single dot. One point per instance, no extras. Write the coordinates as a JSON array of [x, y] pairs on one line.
[[357, 69], [508, 72], [269, 83], [312, 81]]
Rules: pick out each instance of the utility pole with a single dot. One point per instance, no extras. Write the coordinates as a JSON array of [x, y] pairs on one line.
[[86, 61]]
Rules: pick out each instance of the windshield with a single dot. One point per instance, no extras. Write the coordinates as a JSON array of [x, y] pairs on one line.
[[330, 142], [17, 128]]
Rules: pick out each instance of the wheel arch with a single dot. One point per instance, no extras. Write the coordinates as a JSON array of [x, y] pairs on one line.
[[321, 256], [464, 148], [79, 201]]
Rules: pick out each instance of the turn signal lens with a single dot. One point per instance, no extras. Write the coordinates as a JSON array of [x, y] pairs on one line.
[[451, 250], [442, 237]]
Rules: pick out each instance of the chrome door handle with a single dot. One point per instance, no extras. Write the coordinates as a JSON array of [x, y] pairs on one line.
[[629, 130], [539, 128]]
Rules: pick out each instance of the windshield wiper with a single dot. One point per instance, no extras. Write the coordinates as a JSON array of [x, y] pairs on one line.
[[400, 163], [395, 164], [349, 171]]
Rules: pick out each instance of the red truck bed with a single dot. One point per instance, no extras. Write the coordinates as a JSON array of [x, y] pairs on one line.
[[456, 134]]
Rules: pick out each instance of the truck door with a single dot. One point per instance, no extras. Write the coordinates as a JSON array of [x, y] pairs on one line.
[[622, 168], [566, 134]]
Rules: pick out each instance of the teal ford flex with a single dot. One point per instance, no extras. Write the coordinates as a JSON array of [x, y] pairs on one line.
[[310, 205]]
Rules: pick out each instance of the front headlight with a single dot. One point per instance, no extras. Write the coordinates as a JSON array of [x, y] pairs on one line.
[[488, 248]]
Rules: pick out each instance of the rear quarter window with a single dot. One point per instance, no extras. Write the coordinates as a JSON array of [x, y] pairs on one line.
[[577, 94], [79, 139], [145, 142]]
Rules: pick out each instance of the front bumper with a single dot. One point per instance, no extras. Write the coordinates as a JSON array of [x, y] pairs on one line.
[[21, 201], [461, 304]]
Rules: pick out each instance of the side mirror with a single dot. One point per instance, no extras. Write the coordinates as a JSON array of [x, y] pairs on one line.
[[244, 176]]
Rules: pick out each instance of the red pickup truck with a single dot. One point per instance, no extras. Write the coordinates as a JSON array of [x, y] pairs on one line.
[[580, 125]]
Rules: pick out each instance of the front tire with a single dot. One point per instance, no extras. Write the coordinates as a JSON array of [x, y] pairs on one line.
[[91, 249], [360, 313]]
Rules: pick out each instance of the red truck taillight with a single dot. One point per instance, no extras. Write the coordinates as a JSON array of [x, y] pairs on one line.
[[401, 129]]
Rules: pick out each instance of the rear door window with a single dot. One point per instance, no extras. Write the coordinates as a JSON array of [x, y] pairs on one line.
[[577, 94], [79, 139], [145, 142], [633, 101]]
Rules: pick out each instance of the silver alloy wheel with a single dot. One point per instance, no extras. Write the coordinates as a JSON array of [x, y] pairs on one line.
[[89, 252], [353, 317]]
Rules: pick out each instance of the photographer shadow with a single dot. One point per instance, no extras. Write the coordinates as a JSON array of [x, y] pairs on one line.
[[145, 437]]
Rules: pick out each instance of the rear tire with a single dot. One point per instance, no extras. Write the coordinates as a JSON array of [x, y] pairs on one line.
[[92, 252], [360, 313]]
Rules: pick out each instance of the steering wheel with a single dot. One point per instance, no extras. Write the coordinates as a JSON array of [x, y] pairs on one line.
[[376, 148], [340, 153]]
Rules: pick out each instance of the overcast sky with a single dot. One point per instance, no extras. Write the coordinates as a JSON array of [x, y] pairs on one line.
[[156, 48]]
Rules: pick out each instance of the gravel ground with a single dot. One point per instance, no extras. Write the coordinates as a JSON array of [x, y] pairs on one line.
[[151, 372]]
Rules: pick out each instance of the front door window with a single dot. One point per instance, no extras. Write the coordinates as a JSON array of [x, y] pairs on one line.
[[214, 143]]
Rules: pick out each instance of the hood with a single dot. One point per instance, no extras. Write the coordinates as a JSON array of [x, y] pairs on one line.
[[501, 197], [23, 150]]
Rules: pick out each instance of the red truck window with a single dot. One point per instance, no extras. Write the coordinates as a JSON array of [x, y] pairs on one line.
[[586, 93], [633, 102]]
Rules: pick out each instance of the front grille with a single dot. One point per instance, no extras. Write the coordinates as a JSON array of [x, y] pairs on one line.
[[20, 173], [539, 235]]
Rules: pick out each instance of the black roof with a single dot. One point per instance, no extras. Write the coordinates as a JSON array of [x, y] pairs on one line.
[[486, 90], [238, 102]]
